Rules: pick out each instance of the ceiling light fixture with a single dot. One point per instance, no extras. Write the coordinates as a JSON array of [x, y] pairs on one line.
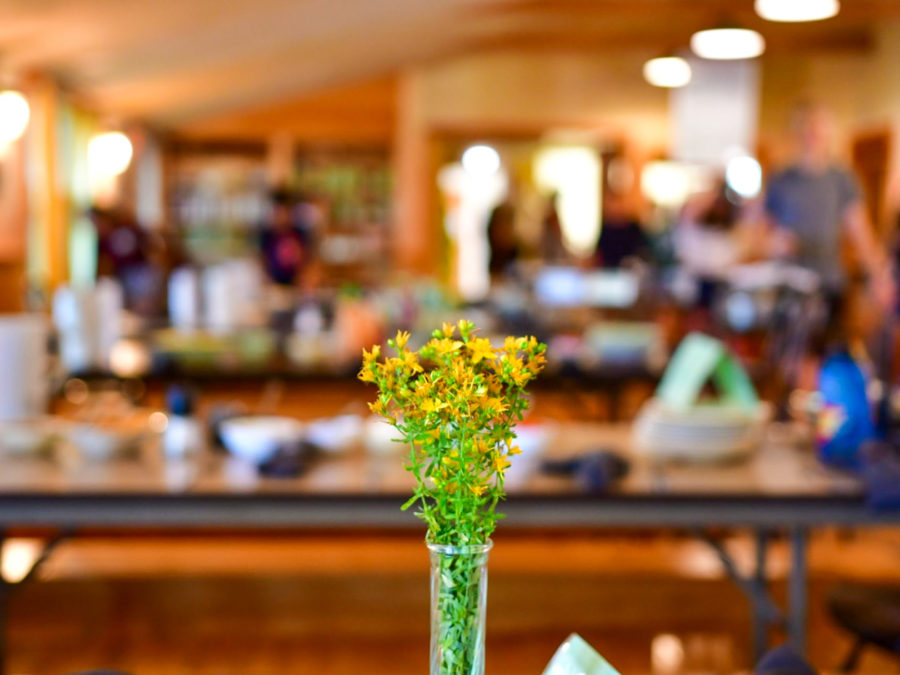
[[743, 174], [109, 154], [797, 10], [481, 160], [727, 44], [14, 115], [667, 71]]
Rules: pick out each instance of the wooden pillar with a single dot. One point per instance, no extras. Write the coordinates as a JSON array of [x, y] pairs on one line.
[[13, 223], [415, 238], [48, 227]]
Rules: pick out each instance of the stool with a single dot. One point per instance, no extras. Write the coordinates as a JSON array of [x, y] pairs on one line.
[[871, 614]]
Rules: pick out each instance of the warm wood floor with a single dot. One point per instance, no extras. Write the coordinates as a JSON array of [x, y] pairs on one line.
[[358, 605]]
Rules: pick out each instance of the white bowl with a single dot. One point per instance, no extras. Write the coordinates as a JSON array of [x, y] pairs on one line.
[[99, 444], [27, 438], [256, 439], [335, 434]]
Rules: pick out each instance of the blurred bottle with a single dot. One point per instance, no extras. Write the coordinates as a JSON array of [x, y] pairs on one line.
[[184, 434]]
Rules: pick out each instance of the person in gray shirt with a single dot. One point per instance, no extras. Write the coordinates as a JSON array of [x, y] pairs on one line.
[[814, 203]]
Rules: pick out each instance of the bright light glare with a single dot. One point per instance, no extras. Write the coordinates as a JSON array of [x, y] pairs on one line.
[[797, 10], [109, 154], [666, 654], [158, 422], [573, 173], [129, 358], [726, 44], [14, 115], [666, 183], [481, 160], [744, 175], [667, 71], [18, 557]]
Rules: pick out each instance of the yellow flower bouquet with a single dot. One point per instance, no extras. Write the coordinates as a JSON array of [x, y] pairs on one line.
[[455, 402]]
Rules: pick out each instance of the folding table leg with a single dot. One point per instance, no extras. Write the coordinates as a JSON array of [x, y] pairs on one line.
[[760, 580], [765, 612], [4, 606], [797, 589]]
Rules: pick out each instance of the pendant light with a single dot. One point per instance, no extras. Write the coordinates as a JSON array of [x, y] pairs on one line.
[[727, 43], [109, 154], [797, 10], [667, 71]]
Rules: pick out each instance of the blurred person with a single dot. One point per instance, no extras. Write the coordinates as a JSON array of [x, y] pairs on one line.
[[120, 243], [708, 239], [621, 235], [813, 203], [125, 253], [502, 239], [553, 248], [286, 242]]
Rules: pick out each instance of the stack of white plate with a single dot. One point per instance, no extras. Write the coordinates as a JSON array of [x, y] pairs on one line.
[[702, 433]]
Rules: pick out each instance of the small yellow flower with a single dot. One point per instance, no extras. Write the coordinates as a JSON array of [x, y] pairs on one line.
[[480, 348], [366, 374], [514, 450], [495, 405], [394, 363], [430, 405], [500, 463], [512, 344], [401, 339], [477, 490], [448, 329], [411, 361]]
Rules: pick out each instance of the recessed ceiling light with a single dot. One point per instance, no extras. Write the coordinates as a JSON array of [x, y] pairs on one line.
[[727, 44], [797, 10], [667, 71]]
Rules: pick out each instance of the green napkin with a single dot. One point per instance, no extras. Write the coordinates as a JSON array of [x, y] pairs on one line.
[[577, 657], [698, 359]]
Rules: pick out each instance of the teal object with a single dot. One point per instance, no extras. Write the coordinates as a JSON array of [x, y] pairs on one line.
[[701, 358], [576, 657]]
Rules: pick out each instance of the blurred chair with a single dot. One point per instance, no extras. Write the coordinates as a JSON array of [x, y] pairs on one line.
[[871, 614]]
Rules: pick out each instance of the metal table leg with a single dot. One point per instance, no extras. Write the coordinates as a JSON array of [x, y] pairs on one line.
[[760, 580], [797, 589], [765, 612]]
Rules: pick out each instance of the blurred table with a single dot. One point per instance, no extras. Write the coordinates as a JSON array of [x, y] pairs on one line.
[[781, 484], [781, 488]]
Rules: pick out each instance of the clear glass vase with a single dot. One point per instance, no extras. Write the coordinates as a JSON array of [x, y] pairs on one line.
[[458, 608]]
